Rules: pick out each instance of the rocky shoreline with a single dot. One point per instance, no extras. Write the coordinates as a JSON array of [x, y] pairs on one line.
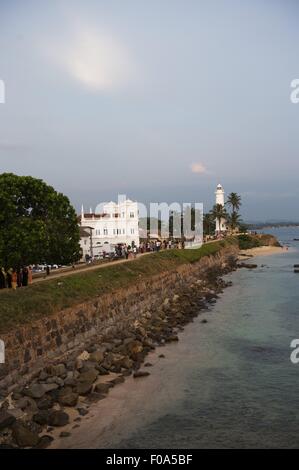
[[62, 393]]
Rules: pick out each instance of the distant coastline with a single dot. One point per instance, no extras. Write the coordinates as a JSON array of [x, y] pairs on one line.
[[269, 225]]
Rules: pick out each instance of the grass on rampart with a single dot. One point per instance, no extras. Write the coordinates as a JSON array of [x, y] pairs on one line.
[[45, 297]]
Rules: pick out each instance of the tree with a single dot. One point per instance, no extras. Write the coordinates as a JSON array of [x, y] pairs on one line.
[[209, 224], [234, 201], [37, 224], [219, 213], [233, 220]]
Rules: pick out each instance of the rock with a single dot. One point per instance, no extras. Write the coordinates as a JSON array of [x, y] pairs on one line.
[[102, 387], [24, 437], [204, 321], [35, 390], [126, 363], [82, 411], [60, 370], [135, 347], [42, 417], [79, 364], [161, 356], [148, 364], [96, 356], [88, 376], [39, 390], [64, 434], [94, 397], [43, 375], [102, 370], [140, 373], [117, 380], [83, 388], [68, 398], [44, 441], [84, 356], [58, 418], [45, 403], [171, 338], [50, 386], [6, 419], [16, 412], [26, 404]]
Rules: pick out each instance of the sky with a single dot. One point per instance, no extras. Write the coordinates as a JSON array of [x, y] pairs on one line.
[[158, 100]]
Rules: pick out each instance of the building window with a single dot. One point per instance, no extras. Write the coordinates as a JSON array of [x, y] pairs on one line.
[[132, 231], [131, 215], [123, 215], [105, 231], [85, 242], [123, 231]]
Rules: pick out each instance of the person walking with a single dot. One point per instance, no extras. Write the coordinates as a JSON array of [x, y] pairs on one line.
[[30, 275], [14, 279], [25, 276], [9, 278], [2, 279]]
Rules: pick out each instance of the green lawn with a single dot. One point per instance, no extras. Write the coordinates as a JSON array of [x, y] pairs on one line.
[[43, 298]]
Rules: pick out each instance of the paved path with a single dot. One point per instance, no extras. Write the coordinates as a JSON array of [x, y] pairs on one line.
[[84, 268]]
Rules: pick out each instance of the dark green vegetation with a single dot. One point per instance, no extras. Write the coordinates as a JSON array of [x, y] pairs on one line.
[[249, 241], [45, 297], [37, 224]]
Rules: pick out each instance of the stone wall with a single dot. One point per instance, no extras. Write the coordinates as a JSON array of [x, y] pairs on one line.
[[32, 346]]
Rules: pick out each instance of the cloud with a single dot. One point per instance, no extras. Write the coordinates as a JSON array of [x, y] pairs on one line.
[[97, 60], [198, 168]]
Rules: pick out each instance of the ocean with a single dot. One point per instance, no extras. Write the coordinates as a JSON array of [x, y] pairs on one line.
[[229, 383]]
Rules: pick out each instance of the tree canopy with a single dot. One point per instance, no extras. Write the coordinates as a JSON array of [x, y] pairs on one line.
[[37, 224]]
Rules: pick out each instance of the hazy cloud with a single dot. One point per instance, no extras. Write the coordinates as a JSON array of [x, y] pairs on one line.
[[198, 168], [97, 60]]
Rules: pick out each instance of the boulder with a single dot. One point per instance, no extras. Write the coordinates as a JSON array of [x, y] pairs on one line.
[[67, 397], [64, 434], [140, 373], [83, 388], [26, 404], [24, 437], [44, 442], [39, 390], [41, 417], [102, 387], [88, 376], [6, 419], [45, 403], [58, 418], [96, 356], [134, 348]]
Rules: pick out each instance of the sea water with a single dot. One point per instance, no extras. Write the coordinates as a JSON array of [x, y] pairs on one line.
[[236, 386]]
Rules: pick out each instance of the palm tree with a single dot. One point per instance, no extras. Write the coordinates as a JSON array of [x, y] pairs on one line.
[[208, 224], [234, 201], [233, 220], [219, 213]]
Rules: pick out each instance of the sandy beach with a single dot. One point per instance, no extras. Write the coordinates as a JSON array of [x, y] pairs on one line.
[[262, 251]]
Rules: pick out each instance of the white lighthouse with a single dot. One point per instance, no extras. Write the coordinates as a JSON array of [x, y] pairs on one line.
[[220, 225]]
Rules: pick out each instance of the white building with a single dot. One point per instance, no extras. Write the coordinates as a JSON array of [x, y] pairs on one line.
[[220, 225], [117, 223]]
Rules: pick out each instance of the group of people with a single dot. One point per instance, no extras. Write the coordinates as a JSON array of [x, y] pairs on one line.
[[13, 278], [157, 245]]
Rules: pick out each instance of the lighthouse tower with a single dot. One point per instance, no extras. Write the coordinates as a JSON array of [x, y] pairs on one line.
[[220, 227]]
